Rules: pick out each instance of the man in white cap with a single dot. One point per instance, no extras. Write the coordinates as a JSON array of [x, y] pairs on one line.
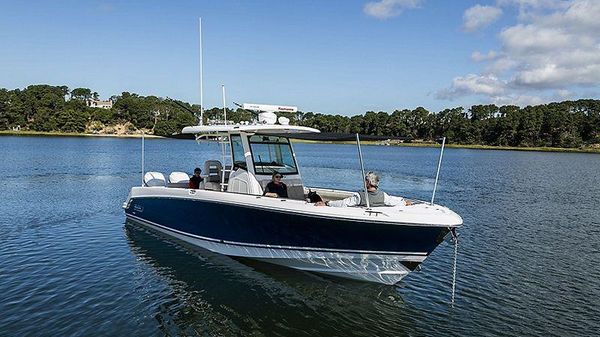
[[377, 198]]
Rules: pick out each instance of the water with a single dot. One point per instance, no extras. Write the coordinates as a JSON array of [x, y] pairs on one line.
[[529, 254]]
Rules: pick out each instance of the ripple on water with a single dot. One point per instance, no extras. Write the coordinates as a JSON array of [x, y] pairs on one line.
[[528, 264]]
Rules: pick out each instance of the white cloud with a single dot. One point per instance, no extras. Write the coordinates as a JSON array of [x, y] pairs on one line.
[[580, 16], [532, 39], [519, 100], [478, 57], [385, 9], [478, 17], [500, 65], [555, 76], [472, 84], [497, 91], [556, 49]]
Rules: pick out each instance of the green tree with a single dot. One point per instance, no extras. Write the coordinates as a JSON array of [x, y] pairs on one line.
[[177, 120], [72, 120], [508, 125], [419, 123], [397, 124], [41, 105], [454, 125], [483, 123], [81, 94], [136, 109], [563, 124], [530, 124]]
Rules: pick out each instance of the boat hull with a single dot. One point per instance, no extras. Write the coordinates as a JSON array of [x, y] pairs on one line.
[[375, 252]]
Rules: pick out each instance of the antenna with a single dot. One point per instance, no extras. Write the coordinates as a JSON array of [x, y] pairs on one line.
[[224, 106], [201, 74]]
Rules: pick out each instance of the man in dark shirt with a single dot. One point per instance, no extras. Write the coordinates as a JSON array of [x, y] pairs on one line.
[[196, 179], [276, 188]]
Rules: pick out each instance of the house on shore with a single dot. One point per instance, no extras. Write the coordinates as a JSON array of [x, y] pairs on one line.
[[95, 103]]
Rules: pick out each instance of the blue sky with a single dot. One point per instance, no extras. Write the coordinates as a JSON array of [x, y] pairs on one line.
[[339, 57]]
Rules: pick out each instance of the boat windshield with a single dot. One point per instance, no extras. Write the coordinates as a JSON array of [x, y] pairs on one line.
[[237, 149], [272, 154]]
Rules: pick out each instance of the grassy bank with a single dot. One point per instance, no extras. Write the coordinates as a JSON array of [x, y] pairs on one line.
[[473, 147], [506, 148], [72, 134]]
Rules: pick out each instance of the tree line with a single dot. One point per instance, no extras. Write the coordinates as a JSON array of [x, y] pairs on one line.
[[563, 124], [56, 108]]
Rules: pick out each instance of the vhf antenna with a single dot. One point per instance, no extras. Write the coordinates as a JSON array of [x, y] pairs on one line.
[[201, 74]]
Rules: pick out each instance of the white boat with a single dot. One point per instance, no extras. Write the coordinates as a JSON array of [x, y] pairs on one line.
[[229, 214]]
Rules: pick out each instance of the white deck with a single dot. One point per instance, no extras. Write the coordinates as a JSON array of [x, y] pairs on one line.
[[419, 214]]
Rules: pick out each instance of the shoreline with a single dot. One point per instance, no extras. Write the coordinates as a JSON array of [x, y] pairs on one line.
[[467, 146], [506, 148], [378, 143], [72, 134]]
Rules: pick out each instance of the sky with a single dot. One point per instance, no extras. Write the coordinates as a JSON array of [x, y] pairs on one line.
[[337, 57]]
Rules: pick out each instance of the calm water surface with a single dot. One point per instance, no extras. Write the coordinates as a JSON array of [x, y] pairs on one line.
[[528, 264]]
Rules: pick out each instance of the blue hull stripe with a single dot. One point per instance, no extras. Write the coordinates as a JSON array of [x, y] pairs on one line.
[[233, 224], [136, 219]]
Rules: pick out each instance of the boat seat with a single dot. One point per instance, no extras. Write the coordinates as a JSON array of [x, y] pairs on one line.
[[213, 170], [154, 179], [294, 187], [296, 192], [212, 186], [178, 180], [242, 181]]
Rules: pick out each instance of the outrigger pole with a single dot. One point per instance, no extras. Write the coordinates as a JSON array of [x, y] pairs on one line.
[[437, 175], [201, 74], [142, 157], [453, 230], [362, 168], [224, 104]]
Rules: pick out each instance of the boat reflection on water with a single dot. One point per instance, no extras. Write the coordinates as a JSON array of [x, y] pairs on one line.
[[201, 292]]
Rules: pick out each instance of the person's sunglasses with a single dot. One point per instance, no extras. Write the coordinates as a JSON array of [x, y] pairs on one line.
[[279, 177]]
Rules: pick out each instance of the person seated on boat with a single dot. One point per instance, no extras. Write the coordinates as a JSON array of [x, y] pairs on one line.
[[377, 197], [196, 179], [276, 188]]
